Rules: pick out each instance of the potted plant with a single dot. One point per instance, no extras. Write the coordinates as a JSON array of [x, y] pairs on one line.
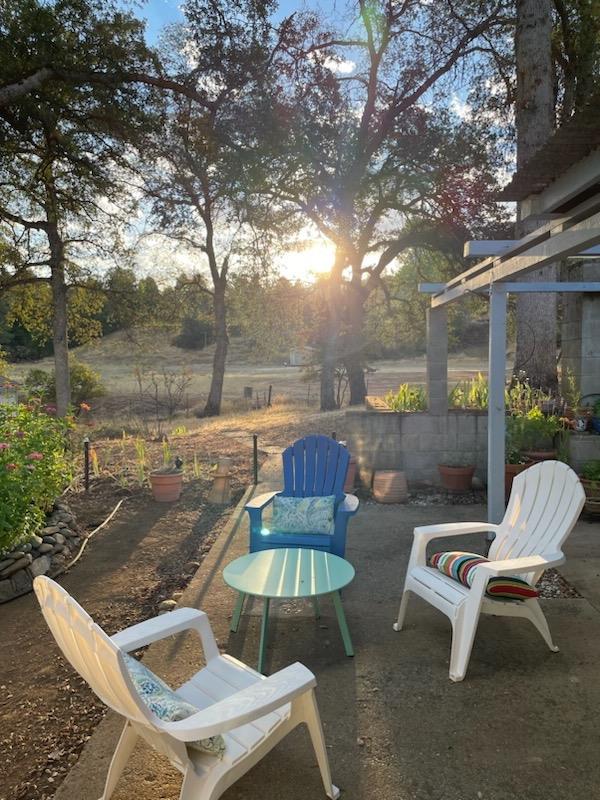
[[167, 481], [516, 462], [590, 480], [537, 435], [456, 477]]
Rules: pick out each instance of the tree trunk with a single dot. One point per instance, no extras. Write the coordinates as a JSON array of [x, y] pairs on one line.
[[534, 116], [59, 322], [215, 395], [354, 346], [331, 342]]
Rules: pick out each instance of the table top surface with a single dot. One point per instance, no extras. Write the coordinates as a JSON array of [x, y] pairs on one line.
[[288, 572]]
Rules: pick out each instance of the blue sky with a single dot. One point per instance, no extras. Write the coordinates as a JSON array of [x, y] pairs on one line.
[[159, 13]]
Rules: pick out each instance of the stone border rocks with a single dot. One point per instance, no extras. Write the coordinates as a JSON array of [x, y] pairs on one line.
[[46, 553]]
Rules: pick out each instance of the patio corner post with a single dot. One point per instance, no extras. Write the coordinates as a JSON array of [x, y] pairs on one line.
[[437, 360], [496, 410]]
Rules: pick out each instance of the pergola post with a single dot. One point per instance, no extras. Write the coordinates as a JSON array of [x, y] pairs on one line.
[[496, 409], [437, 360]]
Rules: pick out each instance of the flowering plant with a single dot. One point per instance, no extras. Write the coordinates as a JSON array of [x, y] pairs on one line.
[[34, 469]]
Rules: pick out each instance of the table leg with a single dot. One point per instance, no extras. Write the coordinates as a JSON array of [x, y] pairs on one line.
[[341, 618], [237, 612], [263, 635], [316, 606]]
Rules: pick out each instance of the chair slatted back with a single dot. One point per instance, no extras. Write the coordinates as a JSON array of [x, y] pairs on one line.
[[545, 503], [315, 466], [90, 651]]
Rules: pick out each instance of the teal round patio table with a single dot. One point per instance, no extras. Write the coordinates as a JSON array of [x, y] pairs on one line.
[[289, 573]]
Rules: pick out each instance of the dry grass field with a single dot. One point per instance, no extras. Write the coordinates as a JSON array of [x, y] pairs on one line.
[[118, 356]]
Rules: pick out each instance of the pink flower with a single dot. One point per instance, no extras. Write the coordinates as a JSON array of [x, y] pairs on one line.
[[12, 466], [35, 456], [4, 445]]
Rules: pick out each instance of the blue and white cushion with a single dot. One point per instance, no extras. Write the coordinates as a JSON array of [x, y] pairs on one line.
[[167, 705], [303, 514]]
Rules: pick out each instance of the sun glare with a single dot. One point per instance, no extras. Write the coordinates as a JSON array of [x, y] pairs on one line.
[[308, 263]]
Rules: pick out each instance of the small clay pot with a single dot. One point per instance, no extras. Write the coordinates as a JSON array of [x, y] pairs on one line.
[[166, 486], [390, 486], [456, 479]]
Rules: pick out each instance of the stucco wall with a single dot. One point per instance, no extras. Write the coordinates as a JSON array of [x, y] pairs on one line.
[[416, 442]]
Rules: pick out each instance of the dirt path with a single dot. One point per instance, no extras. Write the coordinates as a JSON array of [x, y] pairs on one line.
[[148, 552]]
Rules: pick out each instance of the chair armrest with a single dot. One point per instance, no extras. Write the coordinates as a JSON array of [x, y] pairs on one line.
[[427, 533], [262, 697], [152, 630], [511, 566], [349, 505], [260, 501]]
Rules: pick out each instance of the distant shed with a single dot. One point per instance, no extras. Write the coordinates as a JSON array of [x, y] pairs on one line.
[[301, 356]]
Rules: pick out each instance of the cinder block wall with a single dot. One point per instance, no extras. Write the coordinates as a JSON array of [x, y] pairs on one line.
[[416, 442]]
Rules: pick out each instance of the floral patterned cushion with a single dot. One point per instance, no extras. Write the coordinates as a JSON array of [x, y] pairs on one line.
[[303, 514], [166, 704]]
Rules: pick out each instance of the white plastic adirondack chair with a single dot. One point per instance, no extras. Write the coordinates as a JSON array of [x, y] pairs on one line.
[[253, 713], [544, 505]]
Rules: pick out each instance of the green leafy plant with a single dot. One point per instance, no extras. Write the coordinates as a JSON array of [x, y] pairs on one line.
[[572, 391], [34, 469], [471, 393], [596, 409], [167, 455], [85, 384], [591, 470], [407, 398], [531, 431]]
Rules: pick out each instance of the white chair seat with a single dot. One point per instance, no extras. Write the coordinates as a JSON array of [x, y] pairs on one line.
[[544, 505], [218, 681]]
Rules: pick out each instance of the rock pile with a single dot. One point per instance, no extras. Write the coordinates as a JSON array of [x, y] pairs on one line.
[[45, 553]]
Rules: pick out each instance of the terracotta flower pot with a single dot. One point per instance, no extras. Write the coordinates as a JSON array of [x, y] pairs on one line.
[[389, 486], [350, 476], [456, 479], [166, 486]]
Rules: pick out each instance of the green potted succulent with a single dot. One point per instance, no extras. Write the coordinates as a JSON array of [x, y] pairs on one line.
[[590, 480]]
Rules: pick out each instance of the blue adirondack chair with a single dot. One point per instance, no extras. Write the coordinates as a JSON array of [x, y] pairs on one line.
[[315, 466]]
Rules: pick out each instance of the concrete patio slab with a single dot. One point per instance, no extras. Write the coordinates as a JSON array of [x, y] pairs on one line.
[[522, 725]]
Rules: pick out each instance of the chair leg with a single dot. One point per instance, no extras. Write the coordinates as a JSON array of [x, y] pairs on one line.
[[464, 627], [119, 760], [194, 787], [399, 624], [537, 617], [309, 711]]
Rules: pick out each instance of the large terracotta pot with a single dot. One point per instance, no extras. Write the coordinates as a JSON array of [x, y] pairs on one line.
[[510, 470], [166, 486], [389, 486], [350, 476], [456, 479]]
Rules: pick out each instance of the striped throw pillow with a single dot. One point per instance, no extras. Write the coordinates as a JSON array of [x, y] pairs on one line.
[[462, 567]]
